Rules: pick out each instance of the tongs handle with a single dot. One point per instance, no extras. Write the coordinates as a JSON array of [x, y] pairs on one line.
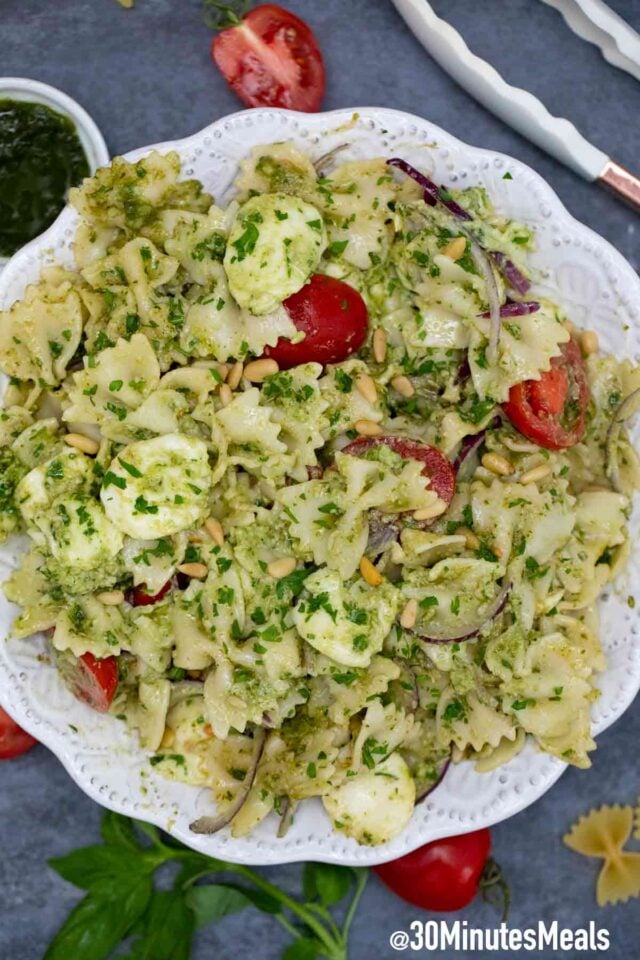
[[622, 182]]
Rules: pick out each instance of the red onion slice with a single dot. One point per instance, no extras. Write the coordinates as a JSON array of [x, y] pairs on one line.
[[496, 608], [383, 531], [471, 443], [623, 411], [213, 824], [432, 193], [514, 277], [517, 309], [327, 158], [429, 788], [286, 820], [484, 265]]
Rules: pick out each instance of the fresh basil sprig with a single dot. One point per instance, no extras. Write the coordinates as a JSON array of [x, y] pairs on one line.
[[123, 908]]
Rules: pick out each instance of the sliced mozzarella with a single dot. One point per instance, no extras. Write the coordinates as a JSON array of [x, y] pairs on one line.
[[157, 487], [376, 804], [274, 246]]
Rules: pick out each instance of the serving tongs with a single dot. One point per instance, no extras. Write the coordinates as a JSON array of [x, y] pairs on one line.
[[519, 108], [597, 23]]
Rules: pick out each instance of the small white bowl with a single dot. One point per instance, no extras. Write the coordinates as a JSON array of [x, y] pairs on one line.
[[21, 88]]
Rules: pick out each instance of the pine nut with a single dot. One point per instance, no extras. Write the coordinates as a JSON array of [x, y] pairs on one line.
[[223, 370], [367, 428], [496, 463], [367, 388], [379, 344], [215, 531], [194, 674], [235, 375], [225, 395], [281, 568], [589, 342], [259, 370], [455, 248], [369, 573], [207, 730], [196, 570], [471, 541], [403, 386], [168, 739], [80, 442], [536, 473], [110, 598], [409, 615], [428, 513]]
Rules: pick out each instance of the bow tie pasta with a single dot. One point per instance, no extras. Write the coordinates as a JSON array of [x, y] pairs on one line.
[[289, 515]]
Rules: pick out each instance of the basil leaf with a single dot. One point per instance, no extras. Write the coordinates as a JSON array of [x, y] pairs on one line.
[[212, 902], [333, 882], [302, 949], [168, 929], [117, 830], [326, 881], [92, 867], [97, 925], [263, 901]]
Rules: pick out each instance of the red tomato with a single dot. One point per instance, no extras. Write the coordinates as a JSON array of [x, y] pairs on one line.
[[332, 315], [138, 598], [442, 875], [551, 411], [93, 681], [437, 468], [271, 59], [13, 739]]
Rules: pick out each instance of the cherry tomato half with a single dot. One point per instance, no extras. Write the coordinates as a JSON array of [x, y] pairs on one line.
[[437, 468], [272, 59], [93, 681], [551, 411], [137, 597], [332, 315], [442, 875], [14, 741]]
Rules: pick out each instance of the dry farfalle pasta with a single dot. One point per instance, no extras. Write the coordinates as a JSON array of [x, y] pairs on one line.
[[603, 833]]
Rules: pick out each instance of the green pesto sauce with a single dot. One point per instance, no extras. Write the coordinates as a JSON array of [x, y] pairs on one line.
[[40, 158]]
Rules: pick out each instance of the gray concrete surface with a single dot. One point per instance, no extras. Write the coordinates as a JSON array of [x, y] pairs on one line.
[[145, 75]]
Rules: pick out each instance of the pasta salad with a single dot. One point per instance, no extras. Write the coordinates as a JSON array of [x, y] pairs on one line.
[[318, 496]]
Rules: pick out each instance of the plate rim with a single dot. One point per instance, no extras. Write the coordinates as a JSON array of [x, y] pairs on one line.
[[61, 748]]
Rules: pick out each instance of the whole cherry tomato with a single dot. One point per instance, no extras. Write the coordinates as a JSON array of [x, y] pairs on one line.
[[271, 58], [14, 741], [333, 317], [442, 875]]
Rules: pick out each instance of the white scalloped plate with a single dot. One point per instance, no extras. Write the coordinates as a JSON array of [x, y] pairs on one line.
[[576, 268]]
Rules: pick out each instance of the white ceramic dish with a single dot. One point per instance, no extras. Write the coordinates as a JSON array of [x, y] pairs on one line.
[[21, 88], [575, 267]]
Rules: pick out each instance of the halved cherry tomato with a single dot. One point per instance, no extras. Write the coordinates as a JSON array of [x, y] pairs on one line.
[[272, 59], [93, 681], [14, 741], [332, 315], [442, 875], [437, 468], [551, 411], [137, 597]]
